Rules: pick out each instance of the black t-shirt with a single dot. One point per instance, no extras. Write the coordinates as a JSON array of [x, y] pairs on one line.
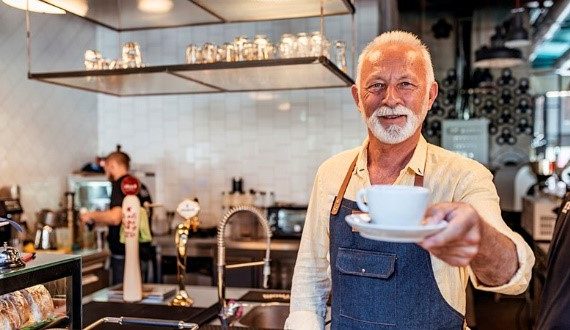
[[117, 196], [555, 301]]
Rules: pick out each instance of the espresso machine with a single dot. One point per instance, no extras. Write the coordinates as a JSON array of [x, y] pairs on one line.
[[11, 209]]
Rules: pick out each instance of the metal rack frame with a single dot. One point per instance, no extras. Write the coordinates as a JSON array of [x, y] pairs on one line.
[[187, 78]]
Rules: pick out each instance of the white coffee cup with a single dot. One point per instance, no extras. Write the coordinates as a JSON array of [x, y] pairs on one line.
[[393, 205]]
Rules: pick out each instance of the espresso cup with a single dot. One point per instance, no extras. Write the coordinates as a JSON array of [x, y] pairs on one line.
[[394, 205]]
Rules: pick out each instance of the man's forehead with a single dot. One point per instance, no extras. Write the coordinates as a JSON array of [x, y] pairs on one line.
[[393, 53], [398, 57]]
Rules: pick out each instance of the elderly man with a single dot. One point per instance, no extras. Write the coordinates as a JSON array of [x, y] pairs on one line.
[[424, 288]]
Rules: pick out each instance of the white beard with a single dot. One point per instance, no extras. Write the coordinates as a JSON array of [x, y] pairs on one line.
[[393, 134]]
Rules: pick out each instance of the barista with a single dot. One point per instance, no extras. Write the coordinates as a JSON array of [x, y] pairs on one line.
[[117, 165]]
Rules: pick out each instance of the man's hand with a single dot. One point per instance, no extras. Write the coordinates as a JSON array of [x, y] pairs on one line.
[[470, 241], [459, 242]]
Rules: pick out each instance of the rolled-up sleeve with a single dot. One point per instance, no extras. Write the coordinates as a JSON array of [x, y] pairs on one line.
[[479, 191], [311, 279]]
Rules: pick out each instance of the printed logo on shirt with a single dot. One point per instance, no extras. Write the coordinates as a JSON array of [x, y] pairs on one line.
[[566, 208]]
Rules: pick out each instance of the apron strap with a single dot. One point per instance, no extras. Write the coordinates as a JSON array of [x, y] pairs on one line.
[[342, 190]]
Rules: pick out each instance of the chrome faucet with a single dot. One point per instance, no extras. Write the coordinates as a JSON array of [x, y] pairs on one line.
[[231, 310]]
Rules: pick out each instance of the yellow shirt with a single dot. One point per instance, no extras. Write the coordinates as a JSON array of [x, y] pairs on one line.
[[449, 176]]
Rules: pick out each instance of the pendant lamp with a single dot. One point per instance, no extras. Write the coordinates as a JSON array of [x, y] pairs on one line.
[[35, 6], [497, 56], [517, 35]]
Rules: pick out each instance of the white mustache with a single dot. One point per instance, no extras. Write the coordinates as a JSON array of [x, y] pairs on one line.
[[397, 111]]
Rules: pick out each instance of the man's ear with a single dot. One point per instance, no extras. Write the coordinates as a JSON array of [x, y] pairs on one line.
[[355, 96], [433, 91]]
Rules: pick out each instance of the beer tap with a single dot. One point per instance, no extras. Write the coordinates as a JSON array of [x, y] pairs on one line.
[[188, 210]]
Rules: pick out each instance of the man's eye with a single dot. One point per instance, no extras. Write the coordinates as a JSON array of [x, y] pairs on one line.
[[406, 84], [376, 87]]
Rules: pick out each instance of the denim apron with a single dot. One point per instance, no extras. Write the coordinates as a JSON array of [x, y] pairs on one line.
[[382, 285]]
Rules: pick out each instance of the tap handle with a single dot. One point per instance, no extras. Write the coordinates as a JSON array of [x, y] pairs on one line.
[[266, 273]]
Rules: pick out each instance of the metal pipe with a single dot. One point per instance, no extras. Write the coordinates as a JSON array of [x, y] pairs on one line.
[[226, 312], [246, 264]]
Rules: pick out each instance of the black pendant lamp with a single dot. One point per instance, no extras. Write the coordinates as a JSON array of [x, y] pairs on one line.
[[517, 35], [497, 56]]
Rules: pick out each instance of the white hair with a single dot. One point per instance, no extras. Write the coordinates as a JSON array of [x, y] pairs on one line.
[[397, 38]]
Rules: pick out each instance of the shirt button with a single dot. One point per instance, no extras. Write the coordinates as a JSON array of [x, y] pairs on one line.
[[363, 270]]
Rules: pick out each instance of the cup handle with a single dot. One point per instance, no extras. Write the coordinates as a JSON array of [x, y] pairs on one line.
[[360, 200]]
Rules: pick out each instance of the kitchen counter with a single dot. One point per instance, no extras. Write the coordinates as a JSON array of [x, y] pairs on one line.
[[203, 296], [204, 247]]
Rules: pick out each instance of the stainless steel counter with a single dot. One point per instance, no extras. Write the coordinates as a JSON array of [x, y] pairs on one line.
[[203, 296], [204, 247]]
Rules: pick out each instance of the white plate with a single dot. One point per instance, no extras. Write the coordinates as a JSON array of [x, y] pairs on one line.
[[400, 234]]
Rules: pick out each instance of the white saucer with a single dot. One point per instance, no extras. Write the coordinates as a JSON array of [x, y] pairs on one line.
[[400, 234]]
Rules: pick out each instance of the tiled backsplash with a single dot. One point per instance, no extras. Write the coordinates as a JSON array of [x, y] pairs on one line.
[[46, 131], [197, 143]]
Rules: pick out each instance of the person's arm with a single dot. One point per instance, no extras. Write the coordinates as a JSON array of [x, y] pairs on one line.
[[114, 216], [311, 279], [499, 260]]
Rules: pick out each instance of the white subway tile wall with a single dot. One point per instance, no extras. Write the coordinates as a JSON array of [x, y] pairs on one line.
[[46, 131], [197, 143]]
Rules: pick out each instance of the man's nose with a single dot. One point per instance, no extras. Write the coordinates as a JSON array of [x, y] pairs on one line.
[[392, 97]]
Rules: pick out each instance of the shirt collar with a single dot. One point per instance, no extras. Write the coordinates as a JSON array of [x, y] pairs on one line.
[[417, 163]]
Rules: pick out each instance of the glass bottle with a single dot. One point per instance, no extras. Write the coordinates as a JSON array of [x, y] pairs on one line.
[[209, 53], [193, 54], [303, 45], [239, 47], [340, 55], [287, 46], [261, 47]]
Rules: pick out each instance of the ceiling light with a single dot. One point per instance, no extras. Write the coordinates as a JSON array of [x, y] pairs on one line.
[[155, 6], [497, 57], [77, 7], [35, 6], [517, 35]]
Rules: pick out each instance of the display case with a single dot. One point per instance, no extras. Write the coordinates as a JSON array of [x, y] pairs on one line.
[[61, 274]]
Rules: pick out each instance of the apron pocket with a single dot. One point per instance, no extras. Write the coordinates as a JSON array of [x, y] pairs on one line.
[[365, 263], [368, 291]]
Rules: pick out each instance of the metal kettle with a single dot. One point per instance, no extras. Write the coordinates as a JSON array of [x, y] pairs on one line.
[[10, 257]]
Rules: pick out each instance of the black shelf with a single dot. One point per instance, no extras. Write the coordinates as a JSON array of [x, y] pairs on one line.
[[124, 15], [262, 75], [45, 268]]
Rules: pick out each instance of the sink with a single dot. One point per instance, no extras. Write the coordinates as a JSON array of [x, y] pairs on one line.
[[260, 315], [269, 316]]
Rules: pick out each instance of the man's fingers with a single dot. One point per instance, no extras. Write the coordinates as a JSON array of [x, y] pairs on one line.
[[454, 230]]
